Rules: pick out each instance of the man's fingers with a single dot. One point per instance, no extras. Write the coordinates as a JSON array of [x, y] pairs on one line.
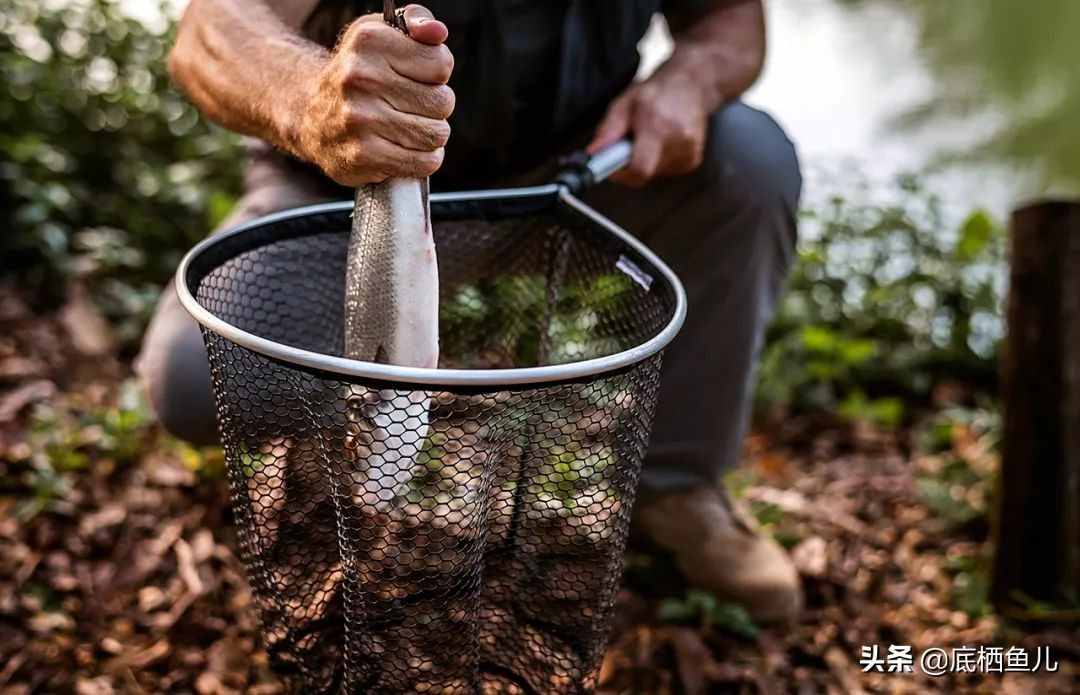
[[410, 131], [396, 161], [644, 163], [429, 101], [423, 26], [375, 41], [614, 127], [420, 62], [375, 159]]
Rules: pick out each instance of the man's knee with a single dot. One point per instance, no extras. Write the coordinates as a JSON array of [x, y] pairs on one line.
[[175, 374], [752, 157]]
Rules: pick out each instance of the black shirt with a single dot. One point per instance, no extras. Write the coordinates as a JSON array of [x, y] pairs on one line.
[[532, 77]]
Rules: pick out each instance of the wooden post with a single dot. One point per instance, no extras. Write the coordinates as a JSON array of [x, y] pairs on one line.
[[1038, 522]]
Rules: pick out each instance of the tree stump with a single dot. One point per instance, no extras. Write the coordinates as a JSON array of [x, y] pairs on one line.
[[1038, 521]]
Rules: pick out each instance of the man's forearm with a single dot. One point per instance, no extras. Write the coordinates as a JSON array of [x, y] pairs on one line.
[[722, 52], [241, 63]]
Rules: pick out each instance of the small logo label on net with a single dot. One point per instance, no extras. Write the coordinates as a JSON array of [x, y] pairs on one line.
[[635, 273]]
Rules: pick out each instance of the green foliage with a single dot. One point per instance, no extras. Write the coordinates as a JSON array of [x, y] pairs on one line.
[[508, 319], [958, 464], [703, 609], [65, 443], [106, 172], [885, 300], [971, 583]]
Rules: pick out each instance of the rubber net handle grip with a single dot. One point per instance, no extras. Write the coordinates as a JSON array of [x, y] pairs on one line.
[[609, 160], [580, 171]]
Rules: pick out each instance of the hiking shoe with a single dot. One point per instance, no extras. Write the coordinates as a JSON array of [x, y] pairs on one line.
[[719, 549]]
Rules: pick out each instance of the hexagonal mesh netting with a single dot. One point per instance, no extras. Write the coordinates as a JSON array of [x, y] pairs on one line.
[[454, 535]]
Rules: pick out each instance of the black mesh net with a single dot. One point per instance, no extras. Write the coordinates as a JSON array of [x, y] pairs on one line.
[[404, 538]]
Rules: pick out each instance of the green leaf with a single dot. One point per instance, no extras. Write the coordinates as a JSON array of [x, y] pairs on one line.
[[975, 234], [674, 610], [887, 412], [219, 207], [735, 619], [857, 352], [819, 339]]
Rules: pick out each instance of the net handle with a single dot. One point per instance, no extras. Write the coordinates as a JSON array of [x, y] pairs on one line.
[[609, 160], [580, 170]]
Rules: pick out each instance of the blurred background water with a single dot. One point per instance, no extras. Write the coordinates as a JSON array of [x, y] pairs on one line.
[[839, 77]]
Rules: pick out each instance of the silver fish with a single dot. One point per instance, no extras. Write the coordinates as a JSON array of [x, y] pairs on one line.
[[391, 316]]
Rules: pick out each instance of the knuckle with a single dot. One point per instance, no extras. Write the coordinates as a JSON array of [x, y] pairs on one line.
[[363, 33], [362, 75], [359, 117], [442, 134], [430, 162], [445, 102], [688, 134], [444, 64], [665, 121]]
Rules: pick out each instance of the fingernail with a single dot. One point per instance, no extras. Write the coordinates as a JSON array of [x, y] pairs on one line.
[[423, 20]]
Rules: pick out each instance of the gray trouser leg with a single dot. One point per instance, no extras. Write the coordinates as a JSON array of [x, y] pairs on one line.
[[172, 363], [729, 231]]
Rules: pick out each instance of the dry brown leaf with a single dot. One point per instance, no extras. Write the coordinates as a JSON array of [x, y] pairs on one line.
[[166, 471], [185, 560], [793, 502], [774, 466], [17, 368], [89, 331], [12, 402], [109, 515], [151, 598], [811, 557], [101, 685], [152, 654], [44, 623], [693, 658], [845, 672]]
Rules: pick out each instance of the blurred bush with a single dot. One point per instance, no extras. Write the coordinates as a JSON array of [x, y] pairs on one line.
[[106, 173], [886, 301]]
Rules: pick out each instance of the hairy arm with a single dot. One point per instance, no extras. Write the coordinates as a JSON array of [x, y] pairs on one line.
[[723, 50], [718, 55], [374, 107], [235, 59]]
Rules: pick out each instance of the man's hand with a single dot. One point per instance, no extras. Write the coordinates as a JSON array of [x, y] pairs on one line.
[[717, 57], [379, 106], [668, 117]]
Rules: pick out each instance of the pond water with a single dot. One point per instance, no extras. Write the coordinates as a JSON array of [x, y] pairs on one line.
[[837, 79]]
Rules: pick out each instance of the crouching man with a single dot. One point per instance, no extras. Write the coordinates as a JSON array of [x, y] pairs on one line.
[[333, 98]]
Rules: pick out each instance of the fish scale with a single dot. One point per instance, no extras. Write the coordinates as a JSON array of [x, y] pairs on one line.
[[391, 316], [392, 277]]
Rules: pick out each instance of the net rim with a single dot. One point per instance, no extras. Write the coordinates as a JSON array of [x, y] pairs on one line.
[[356, 369]]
